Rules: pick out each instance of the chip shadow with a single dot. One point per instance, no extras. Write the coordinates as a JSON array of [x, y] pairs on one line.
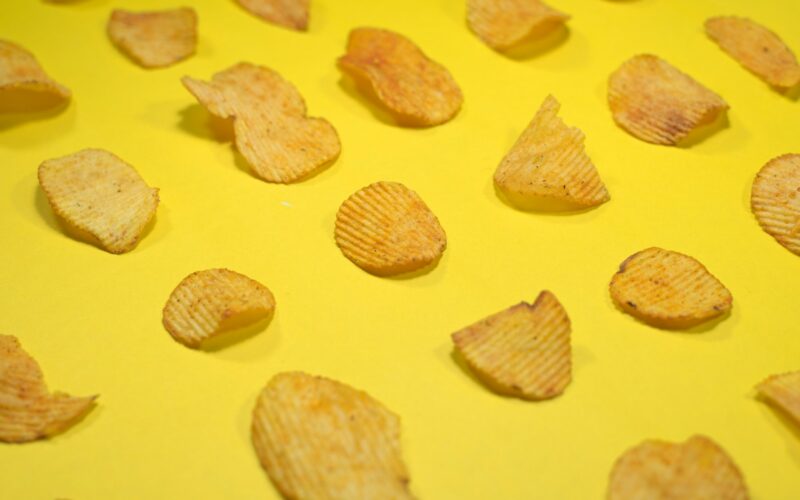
[[542, 206], [21, 106], [538, 43], [229, 337], [703, 327], [365, 95]]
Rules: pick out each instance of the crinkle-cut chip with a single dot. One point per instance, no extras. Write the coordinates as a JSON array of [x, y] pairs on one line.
[[318, 438], [386, 229], [24, 85], [503, 24], [292, 14], [207, 303], [272, 131], [697, 469], [783, 391], [659, 104], [523, 351], [757, 49], [668, 289], [775, 200], [415, 89], [155, 39], [27, 410], [548, 161], [97, 193]]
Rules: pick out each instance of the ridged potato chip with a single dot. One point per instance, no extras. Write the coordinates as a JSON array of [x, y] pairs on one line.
[[502, 24], [24, 86], [783, 391], [523, 351], [318, 438], [659, 104], [208, 303], [27, 410], [154, 39], [668, 289], [291, 14], [100, 196], [272, 131], [386, 229], [775, 200], [415, 89]]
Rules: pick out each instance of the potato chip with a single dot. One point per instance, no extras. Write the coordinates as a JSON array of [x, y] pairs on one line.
[[693, 470], [155, 39], [775, 200], [99, 194], [27, 410], [523, 351], [208, 303], [291, 14], [24, 86], [386, 229], [657, 103], [668, 289], [318, 438], [503, 24], [272, 131], [415, 89], [783, 391], [548, 161]]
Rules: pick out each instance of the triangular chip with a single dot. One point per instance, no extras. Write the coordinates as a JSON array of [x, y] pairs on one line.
[[783, 391], [155, 39], [24, 86], [318, 438], [291, 14], [775, 200], [658, 103], [386, 229], [503, 24]]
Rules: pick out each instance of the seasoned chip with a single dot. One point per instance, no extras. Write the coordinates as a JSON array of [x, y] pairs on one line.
[[503, 24], [27, 410], [668, 289], [24, 86], [155, 39], [415, 89], [291, 14], [386, 229], [98, 194], [318, 438], [659, 104], [775, 200], [523, 351], [694, 470], [783, 391], [548, 161], [272, 131]]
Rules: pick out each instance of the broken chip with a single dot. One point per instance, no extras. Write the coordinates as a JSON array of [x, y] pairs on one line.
[[503, 24], [318, 438], [155, 39], [783, 391], [291, 14], [775, 200], [24, 86]]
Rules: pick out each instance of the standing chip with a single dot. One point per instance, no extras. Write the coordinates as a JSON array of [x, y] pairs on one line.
[[503, 24], [291, 14], [775, 200], [783, 391], [155, 39], [24, 86]]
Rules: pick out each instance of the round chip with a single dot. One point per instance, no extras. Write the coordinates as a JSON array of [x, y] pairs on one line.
[[292, 14], [24, 86], [503, 24], [775, 200], [154, 39], [783, 391]]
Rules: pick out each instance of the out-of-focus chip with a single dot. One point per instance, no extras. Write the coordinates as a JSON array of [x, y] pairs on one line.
[[775, 200], [27, 410], [415, 89], [24, 86], [99, 195], [659, 104], [207, 303], [503, 24], [548, 161], [273, 133], [386, 229], [523, 351], [155, 39], [318, 438], [291, 14], [668, 289], [783, 391]]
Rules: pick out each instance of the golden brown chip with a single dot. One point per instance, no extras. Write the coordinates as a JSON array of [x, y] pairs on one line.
[[657, 103], [523, 351], [155, 39], [503, 24], [775, 200], [386, 229], [24, 86], [27, 410], [273, 133], [548, 161], [318, 438], [291, 14], [783, 391], [97, 193], [415, 89], [207, 303], [668, 289]]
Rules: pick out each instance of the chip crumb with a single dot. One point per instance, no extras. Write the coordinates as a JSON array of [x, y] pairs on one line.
[[775, 200], [503, 24]]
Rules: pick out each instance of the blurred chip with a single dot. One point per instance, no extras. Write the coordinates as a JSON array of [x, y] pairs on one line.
[[775, 200], [783, 391], [503, 24], [155, 39], [291, 14], [24, 86]]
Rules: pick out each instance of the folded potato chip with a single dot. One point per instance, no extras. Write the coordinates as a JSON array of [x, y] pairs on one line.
[[291, 14], [415, 89], [24, 86], [503, 24], [155, 39], [775, 200], [783, 391]]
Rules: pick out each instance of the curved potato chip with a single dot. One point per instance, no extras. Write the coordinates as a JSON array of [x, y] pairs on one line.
[[775, 200], [523, 351], [783, 391], [24, 86], [27, 410], [415, 89], [318, 438], [154, 39], [658, 103], [291, 14], [386, 229], [503, 24]]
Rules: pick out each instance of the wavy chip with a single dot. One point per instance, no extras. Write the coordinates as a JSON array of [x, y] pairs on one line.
[[27, 410], [292, 14], [415, 89], [502, 24], [24, 86], [318, 438], [775, 200], [783, 391], [154, 39], [659, 104]]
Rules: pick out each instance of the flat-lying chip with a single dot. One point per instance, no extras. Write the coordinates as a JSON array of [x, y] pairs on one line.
[[659, 104], [24, 86], [272, 131], [698, 469], [775, 200], [386, 229], [783, 391], [548, 161], [291, 14], [318, 438], [415, 89], [97, 193], [503, 24], [27, 410], [155, 39]]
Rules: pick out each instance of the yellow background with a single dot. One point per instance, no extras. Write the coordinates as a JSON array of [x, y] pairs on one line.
[[174, 423]]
